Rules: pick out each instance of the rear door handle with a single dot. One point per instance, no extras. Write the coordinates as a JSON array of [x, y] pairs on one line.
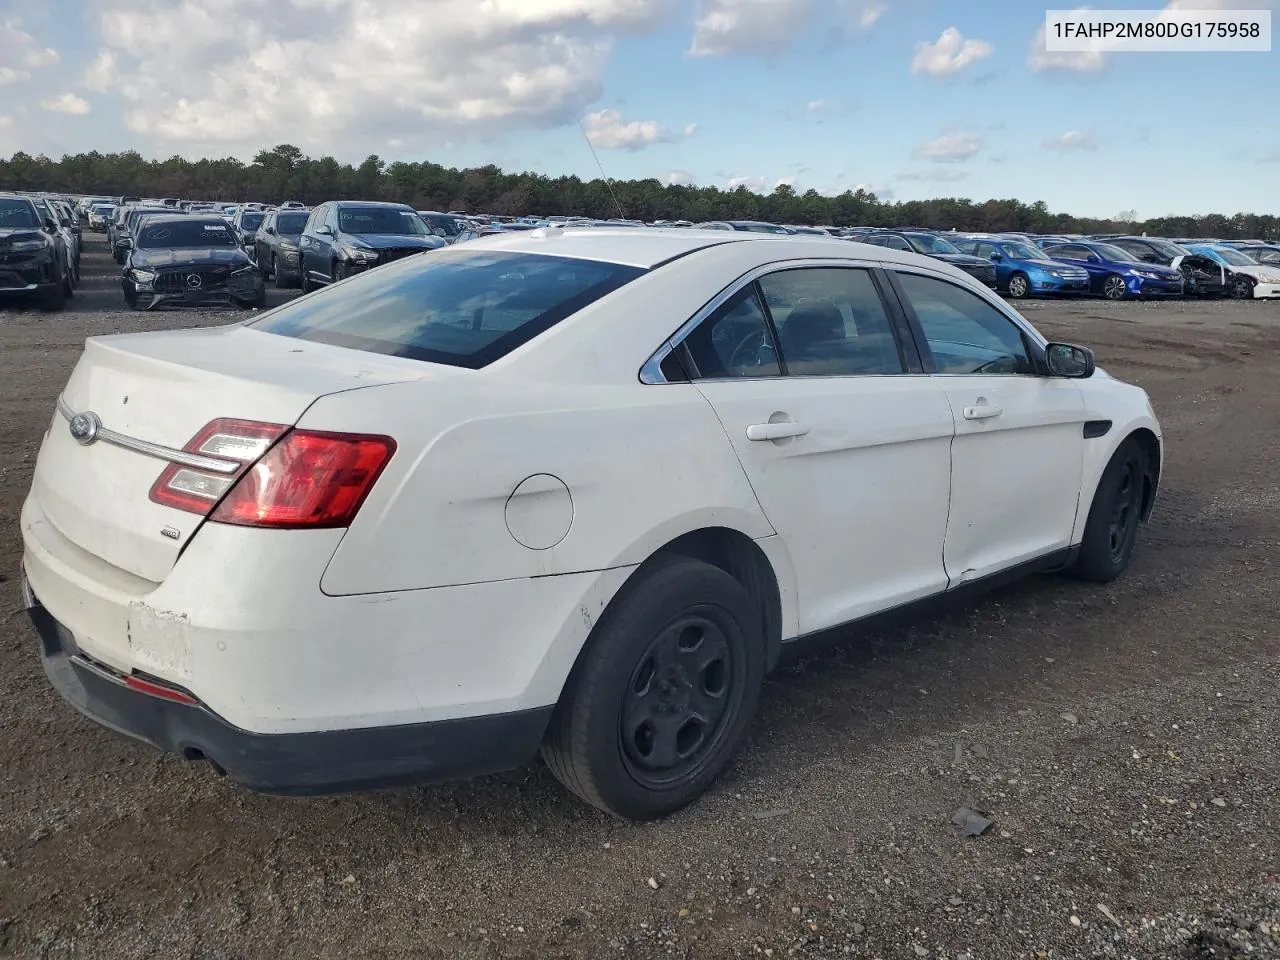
[[982, 412], [776, 431]]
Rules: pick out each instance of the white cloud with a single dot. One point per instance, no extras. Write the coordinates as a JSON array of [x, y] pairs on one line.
[[608, 129], [678, 178], [727, 27], [5, 121], [785, 182], [949, 54], [950, 147], [329, 74], [22, 53], [883, 191], [933, 176], [67, 103], [1079, 61], [754, 184], [813, 106], [1072, 140], [1221, 5]]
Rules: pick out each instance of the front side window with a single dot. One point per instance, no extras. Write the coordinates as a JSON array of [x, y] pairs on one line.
[[1068, 252], [461, 308], [317, 217], [735, 341], [830, 321], [965, 334]]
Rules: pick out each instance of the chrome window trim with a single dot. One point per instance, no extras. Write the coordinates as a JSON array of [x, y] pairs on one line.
[[159, 451], [651, 370]]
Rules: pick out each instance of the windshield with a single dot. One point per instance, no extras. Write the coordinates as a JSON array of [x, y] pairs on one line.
[[291, 224], [441, 225], [103, 208], [1109, 251], [17, 214], [185, 233], [1024, 251], [1168, 250], [927, 243], [381, 220], [461, 308], [252, 221], [1235, 257]]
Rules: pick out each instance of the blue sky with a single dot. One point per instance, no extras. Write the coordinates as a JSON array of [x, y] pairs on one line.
[[911, 98]]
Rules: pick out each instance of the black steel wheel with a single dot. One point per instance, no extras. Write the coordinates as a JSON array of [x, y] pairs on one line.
[[663, 692], [1240, 288], [1114, 517]]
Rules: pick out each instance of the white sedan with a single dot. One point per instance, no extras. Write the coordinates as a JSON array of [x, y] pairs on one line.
[[562, 491]]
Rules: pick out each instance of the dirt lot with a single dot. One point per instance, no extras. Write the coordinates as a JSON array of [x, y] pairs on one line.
[[1126, 740]]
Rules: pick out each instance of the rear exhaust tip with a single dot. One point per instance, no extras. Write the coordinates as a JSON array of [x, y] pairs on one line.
[[195, 754]]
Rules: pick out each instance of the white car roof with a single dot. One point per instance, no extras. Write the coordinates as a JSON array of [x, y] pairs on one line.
[[649, 247]]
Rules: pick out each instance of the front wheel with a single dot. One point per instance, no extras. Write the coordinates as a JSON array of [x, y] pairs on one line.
[[660, 699], [1112, 527], [1241, 288], [1114, 288], [304, 277], [1019, 286]]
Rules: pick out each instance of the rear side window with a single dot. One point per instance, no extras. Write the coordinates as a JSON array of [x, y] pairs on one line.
[[463, 308]]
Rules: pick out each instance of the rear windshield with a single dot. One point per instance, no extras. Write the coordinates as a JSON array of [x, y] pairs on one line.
[[252, 221], [185, 233], [462, 308]]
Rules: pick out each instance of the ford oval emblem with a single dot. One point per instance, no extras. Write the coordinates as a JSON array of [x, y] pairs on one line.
[[84, 428], [195, 281]]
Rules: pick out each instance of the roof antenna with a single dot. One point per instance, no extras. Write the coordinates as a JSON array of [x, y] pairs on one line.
[[607, 185]]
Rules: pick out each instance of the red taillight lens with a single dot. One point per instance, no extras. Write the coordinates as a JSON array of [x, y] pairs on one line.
[[161, 690], [235, 441], [308, 479]]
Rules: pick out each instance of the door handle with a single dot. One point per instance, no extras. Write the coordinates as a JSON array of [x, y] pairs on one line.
[[776, 431], [982, 412]]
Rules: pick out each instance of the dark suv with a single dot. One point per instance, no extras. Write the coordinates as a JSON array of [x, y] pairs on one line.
[[247, 222], [347, 236], [939, 248], [33, 261], [276, 245]]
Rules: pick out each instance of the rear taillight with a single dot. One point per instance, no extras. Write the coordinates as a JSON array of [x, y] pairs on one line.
[[236, 442], [308, 479]]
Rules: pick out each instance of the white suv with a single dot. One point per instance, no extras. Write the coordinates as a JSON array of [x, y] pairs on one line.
[[563, 490]]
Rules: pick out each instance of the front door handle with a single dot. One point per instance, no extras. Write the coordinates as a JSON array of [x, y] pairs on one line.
[[982, 412], [776, 431]]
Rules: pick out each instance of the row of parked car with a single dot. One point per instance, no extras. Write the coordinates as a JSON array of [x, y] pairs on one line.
[[40, 248]]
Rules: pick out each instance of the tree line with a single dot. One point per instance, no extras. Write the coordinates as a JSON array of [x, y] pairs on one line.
[[284, 173]]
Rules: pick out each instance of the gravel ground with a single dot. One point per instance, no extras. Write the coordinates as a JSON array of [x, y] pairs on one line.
[[1124, 739]]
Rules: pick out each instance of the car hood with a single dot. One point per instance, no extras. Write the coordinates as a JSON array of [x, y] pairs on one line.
[[961, 259], [1259, 272], [1063, 266], [10, 234], [389, 241], [189, 256], [1169, 272]]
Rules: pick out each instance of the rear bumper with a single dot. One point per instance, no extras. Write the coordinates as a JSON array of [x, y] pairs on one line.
[[331, 761]]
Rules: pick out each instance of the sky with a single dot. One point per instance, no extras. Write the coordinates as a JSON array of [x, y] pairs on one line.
[[909, 98]]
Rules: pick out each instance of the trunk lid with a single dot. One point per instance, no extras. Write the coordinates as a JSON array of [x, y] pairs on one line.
[[163, 388]]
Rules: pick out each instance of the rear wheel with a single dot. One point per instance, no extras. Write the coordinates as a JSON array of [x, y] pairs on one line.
[[660, 699], [1114, 287], [1240, 288], [1019, 286], [1112, 527]]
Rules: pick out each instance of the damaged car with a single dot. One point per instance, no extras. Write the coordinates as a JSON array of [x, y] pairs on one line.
[[192, 261]]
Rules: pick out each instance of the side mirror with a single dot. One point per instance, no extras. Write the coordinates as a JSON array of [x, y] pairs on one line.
[[996, 256], [50, 226], [1150, 258], [1093, 258], [126, 242], [271, 231], [324, 230], [1068, 360]]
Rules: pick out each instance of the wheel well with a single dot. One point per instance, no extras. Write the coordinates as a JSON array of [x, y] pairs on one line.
[[1151, 447], [738, 555]]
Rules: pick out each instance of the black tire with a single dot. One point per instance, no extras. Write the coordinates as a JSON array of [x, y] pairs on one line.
[[643, 661], [304, 278], [276, 280], [1114, 517], [1019, 286], [340, 271], [1114, 287], [56, 298], [1240, 288]]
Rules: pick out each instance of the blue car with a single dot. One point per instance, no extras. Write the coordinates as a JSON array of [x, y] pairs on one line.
[[1023, 270], [1114, 274]]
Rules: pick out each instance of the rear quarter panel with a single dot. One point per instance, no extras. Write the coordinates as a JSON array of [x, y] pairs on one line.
[[643, 465]]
